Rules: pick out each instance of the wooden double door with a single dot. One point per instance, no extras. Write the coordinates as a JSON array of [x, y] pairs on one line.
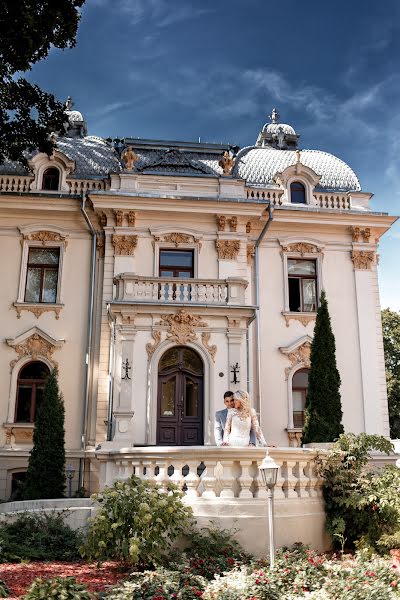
[[180, 401]]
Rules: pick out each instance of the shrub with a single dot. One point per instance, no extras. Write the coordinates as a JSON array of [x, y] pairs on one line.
[[35, 536], [360, 505], [63, 588], [4, 591], [163, 584], [137, 522]]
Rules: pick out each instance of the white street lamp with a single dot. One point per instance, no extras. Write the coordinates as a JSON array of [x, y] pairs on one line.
[[69, 473], [269, 473]]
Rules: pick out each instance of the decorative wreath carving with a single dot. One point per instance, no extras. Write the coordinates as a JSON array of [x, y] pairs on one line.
[[124, 245], [182, 326], [228, 249]]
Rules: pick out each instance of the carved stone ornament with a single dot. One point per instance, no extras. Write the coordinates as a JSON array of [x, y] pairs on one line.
[[35, 346], [36, 309], [227, 163], [233, 222], [124, 245], [248, 227], [301, 248], [359, 234], [131, 218], [118, 214], [221, 222], [103, 219], [178, 238], [299, 356], [100, 246], [130, 158], [362, 259], [45, 237], [251, 250], [150, 348], [211, 349], [227, 249], [19, 435], [182, 326], [303, 318]]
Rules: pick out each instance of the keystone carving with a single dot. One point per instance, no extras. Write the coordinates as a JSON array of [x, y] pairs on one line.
[[35, 347], [227, 163], [227, 249], [362, 259], [182, 326], [124, 245], [211, 349], [129, 157], [150, 348]]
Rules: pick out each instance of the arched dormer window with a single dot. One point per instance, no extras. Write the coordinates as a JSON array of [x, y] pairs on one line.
[[51, 179], [297, 193], [30, 387]]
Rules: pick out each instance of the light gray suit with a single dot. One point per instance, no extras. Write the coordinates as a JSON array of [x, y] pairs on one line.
[[219, 426]]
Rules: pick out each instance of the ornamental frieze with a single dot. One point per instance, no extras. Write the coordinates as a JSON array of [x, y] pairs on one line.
[[124, 245], [301, 248], [178, 238], [35, 346], [227, 249], [182, 326], [45, 237], [363, 259]]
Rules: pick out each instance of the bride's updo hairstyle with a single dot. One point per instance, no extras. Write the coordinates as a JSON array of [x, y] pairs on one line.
[[245, 400]]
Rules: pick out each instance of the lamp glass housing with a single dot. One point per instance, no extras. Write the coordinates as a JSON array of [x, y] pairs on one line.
[[269, 471]]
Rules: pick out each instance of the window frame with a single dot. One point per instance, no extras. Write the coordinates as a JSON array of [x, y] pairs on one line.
[[34, 382], [43, 267], [301, 277], [176, 268], [298, 182], [53, 168], [299, 389]]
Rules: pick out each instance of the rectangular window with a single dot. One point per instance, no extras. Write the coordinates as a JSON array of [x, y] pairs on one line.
[[42, 275], [176, 263], [302, 282]]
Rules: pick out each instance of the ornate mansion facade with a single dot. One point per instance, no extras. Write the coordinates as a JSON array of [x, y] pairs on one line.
[[158, 274]]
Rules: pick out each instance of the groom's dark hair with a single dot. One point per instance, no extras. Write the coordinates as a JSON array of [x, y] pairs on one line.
[[227, 394]]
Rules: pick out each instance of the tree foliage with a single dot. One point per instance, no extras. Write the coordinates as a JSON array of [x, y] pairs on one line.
[[28, 29], [45, 477], [391, 345], [323, 411]]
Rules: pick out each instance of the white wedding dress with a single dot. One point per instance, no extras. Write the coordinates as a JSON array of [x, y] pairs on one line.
[[237, 429]]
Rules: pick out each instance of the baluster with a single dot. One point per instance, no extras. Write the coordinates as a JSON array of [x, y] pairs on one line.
[[162, 478], [290, 479], [185, 292], [192, 480], [155, 287], [227, 479], [303, 481], [148, 466], [209, 480], [162, 292], [136, 468], [201, 295], [170, 290], [194, 288], [177, 477], [246, 479]]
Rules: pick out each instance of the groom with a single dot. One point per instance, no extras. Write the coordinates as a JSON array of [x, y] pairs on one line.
[[220, 420]]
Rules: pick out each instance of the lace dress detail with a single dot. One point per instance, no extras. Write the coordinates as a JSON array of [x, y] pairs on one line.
[[237, 429]]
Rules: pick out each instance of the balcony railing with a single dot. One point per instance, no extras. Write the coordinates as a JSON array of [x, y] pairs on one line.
[[170, 290]]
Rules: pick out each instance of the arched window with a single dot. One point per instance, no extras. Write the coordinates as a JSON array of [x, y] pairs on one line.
[[299, 395], [30, 385], [51, 179], [297, 193]]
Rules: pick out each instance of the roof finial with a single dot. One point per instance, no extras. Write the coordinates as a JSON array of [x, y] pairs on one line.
[[274, 116], [68, 103]]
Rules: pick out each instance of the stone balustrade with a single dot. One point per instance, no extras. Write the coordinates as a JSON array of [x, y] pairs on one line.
[[337, 201], [209, 472], [169, 290], [15, 183]]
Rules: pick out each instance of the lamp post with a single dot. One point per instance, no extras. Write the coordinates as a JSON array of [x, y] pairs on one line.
[[269, 473], [69, 473]]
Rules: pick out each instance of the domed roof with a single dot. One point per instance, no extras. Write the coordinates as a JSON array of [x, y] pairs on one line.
[[74, 116], [277, 127], [259, 166]]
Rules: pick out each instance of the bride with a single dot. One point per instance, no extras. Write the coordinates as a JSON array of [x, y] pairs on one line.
[[239, 422]]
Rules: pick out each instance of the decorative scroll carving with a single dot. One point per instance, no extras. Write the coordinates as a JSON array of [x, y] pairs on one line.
[[182, 326], [178, 238], [150, 348], [299, 356], [45, 236], [304, 319], [37, 310], [124, 245], [251, 250], [131, 218], [302, 248], [362, 259], [228, 249], [359, 234], [129, 157], [233, 223], [248, 227], [211, 349], [118, 214], [34, 346], [227, 163], [221, 222]]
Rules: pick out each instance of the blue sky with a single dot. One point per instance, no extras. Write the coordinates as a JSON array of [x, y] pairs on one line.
[[184, 69]]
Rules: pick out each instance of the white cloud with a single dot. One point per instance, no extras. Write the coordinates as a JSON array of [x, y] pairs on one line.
[[160, 13]]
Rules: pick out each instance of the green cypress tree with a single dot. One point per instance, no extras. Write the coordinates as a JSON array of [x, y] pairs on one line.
[[323, 411], [45, 476]]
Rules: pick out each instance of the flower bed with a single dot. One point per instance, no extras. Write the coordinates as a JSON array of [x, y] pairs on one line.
[[19, 576]]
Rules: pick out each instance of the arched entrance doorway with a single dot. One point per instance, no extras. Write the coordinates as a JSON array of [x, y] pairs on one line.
[[180, 398]]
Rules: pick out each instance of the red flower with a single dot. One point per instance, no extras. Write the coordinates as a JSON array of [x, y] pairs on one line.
[[394, 583]]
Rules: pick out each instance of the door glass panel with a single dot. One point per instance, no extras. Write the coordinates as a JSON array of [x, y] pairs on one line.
[[192, 398], [192, 361], [168, 398], [170, 359]]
